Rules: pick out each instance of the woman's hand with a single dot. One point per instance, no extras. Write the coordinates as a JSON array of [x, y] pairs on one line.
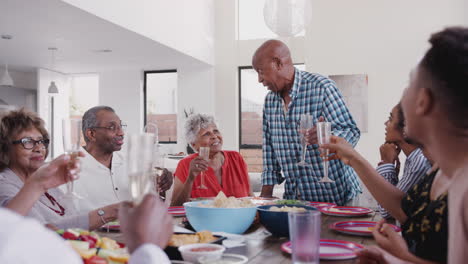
[[197, 165], [55, 173], [390, 241], [340, 149], [389, 153], [376, 255]]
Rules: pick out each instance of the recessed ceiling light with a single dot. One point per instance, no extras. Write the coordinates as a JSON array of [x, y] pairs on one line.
[[6, 36], [103, 50]]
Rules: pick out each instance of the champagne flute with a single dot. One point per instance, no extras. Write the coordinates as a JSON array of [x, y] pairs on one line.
[[203, 152], [323, 136], [139, 150], [158, 167], [71, 133], [304, 125]]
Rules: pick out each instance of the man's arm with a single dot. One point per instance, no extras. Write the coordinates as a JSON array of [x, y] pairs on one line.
[[271, 174], [336, 112]]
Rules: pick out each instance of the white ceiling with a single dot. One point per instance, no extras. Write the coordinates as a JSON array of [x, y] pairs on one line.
[[38, 24]]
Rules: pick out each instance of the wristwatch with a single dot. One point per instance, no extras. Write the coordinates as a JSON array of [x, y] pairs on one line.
[[101, 213]]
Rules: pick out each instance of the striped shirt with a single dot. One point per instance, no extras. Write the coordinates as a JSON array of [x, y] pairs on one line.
[[416, 166], [318, 96]]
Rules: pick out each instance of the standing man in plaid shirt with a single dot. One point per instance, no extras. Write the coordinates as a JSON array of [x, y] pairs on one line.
[[292, 93]]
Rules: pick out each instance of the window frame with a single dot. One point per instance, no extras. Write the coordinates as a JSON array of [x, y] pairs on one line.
[[145, 77], [243, 146]]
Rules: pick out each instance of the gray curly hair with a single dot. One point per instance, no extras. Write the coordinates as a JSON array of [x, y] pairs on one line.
[[196, 122]]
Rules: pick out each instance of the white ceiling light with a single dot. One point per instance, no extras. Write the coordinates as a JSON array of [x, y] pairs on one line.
[[6, 78], [286, 18], [52, 87]]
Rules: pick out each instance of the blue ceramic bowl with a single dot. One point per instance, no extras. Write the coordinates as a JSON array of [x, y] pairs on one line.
[[277, 222], [230, 220]]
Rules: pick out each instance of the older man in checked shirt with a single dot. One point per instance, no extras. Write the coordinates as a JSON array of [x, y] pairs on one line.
[[292, 93]]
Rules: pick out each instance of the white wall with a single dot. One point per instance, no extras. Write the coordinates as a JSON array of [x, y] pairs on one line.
[[196, 90], [382, 39], [123, 91], [185, 25]]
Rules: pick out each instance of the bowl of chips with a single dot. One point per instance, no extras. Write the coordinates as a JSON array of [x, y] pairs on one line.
[[275, 217], [230, 215]]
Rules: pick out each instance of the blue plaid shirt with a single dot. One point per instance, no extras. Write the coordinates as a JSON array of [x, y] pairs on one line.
[[318, 96]]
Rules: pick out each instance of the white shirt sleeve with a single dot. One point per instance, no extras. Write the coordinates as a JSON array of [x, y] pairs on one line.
[[25, 241], [148, 254]]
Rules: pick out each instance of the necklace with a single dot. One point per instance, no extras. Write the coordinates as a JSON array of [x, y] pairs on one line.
[[54, 202]]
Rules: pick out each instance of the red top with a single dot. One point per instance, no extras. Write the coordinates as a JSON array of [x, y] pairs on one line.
[[235, 178]]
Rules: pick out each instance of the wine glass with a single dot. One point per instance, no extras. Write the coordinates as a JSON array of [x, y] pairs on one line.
[[71, 133], [139, 159], [158, 166], [203, 152], [304, 125], [323, 136]]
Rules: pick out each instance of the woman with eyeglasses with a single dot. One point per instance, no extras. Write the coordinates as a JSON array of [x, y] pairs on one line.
[[24, 185]]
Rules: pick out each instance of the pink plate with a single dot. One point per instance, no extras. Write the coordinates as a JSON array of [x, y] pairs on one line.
[[359, 228], [345, 211], [176, 210], [321, 204], [331, 249]]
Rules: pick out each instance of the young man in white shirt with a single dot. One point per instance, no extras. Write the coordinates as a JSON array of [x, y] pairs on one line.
[[146, 229], [103, 178]]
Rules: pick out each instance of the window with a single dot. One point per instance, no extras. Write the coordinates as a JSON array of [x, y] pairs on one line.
[[160, 102], [252, 95], [251, 22]]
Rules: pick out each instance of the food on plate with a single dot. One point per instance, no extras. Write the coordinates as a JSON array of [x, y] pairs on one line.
[[338, 210], [221, 201], [93, 248], [287, 209], [178, 240]]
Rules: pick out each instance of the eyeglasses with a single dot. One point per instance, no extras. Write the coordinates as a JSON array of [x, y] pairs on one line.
[[29, 143], [115, 128]]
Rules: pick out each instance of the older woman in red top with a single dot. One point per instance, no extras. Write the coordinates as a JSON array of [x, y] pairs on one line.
[[224, 171]]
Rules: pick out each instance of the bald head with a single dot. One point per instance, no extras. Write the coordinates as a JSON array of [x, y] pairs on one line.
[[273, 49], [273, 64]]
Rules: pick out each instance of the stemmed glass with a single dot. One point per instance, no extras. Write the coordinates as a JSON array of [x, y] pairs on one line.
[[71, 132], [304, 126], [158, 166], [323, 136], [158, 158], [203, 152], [139, 150]]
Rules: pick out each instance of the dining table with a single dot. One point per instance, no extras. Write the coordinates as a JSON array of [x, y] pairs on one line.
[[261, 247]]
